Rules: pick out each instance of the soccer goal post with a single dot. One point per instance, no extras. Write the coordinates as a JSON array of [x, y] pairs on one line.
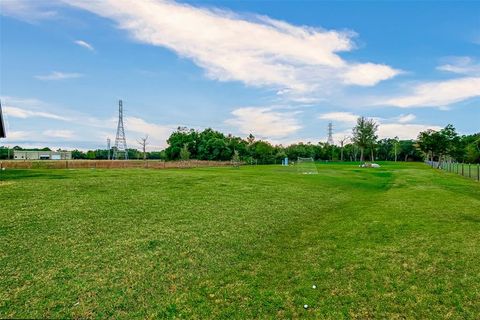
[[306, 166]]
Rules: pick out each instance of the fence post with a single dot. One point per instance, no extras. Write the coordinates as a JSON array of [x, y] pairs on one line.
[[469, 170], [462, 169]]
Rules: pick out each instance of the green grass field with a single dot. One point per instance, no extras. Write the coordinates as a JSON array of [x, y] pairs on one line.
[[401, 241]]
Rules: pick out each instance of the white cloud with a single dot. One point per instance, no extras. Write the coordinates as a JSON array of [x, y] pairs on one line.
[[403, 131], [369, 74], [30, 11], [84, 44], [88, 129], [387, 128], [55, 75], [18, 135], [264, 122], [24, 113], [404, 118], [439, 93], [345, 117], [157, 134], [461, 65], [255, 50], [63, 134]]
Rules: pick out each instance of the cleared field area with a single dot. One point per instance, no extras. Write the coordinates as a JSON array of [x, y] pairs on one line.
[[401, 241]]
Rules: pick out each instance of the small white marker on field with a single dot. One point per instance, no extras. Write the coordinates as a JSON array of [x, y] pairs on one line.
[[305, 306], [314, 287]]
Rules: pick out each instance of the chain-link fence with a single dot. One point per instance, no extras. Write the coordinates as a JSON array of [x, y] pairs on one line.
[[468, 170]]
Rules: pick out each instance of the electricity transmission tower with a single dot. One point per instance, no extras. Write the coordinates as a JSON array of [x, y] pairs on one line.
[[330, 134], [120, 141]]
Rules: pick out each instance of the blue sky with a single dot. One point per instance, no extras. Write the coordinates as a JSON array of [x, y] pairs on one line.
[[278, 69]]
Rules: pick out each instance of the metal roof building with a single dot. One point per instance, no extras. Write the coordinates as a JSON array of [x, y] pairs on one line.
[[41, 155]]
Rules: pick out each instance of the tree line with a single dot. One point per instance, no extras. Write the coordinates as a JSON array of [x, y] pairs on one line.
[[362, 145], [448, 145]]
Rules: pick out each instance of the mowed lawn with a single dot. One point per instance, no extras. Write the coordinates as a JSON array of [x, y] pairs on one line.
[[401, 241]]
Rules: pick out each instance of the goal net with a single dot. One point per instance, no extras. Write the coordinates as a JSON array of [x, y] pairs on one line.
[[306, 166]]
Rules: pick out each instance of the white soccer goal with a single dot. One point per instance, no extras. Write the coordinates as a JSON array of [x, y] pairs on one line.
[[306, 166]]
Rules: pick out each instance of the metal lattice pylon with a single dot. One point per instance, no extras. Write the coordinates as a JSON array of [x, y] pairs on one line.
[[330, 134], [120, 141]]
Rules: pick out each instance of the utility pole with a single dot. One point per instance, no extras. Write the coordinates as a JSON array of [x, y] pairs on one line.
[[143, 143], [108, 148]]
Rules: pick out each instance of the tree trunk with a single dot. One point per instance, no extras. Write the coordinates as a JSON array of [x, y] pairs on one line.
[[371, 155], [440, 160], [361, 154]]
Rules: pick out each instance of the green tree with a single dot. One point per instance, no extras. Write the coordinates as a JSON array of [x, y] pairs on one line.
[[425, 142], [472, 151], [184, 153], [235, 158], [364, 135], [90, 155]]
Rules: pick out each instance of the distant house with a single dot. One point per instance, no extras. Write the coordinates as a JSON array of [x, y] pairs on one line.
[[41, 155], [3, 134]]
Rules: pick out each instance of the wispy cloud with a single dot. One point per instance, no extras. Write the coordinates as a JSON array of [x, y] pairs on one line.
[[28, 108], [404, 118], [461, 65], [76, 128], [255, 50], [23, 113], [264, 122], [29, 11], [403, 131], [438, 93], [84, 44], [18, 135], [157, 133], [399, 126], [62, 134], [56, 75], [344, 117]]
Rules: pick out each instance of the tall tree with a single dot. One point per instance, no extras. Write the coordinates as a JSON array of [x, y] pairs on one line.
[[425, 142], [395, 147], [364, 135], [342, 144], [184, 153]]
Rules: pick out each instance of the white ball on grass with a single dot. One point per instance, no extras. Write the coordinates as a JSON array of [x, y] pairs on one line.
[[305, 306]]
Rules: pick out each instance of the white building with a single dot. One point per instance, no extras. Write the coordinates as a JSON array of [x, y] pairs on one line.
[[41, 155]]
